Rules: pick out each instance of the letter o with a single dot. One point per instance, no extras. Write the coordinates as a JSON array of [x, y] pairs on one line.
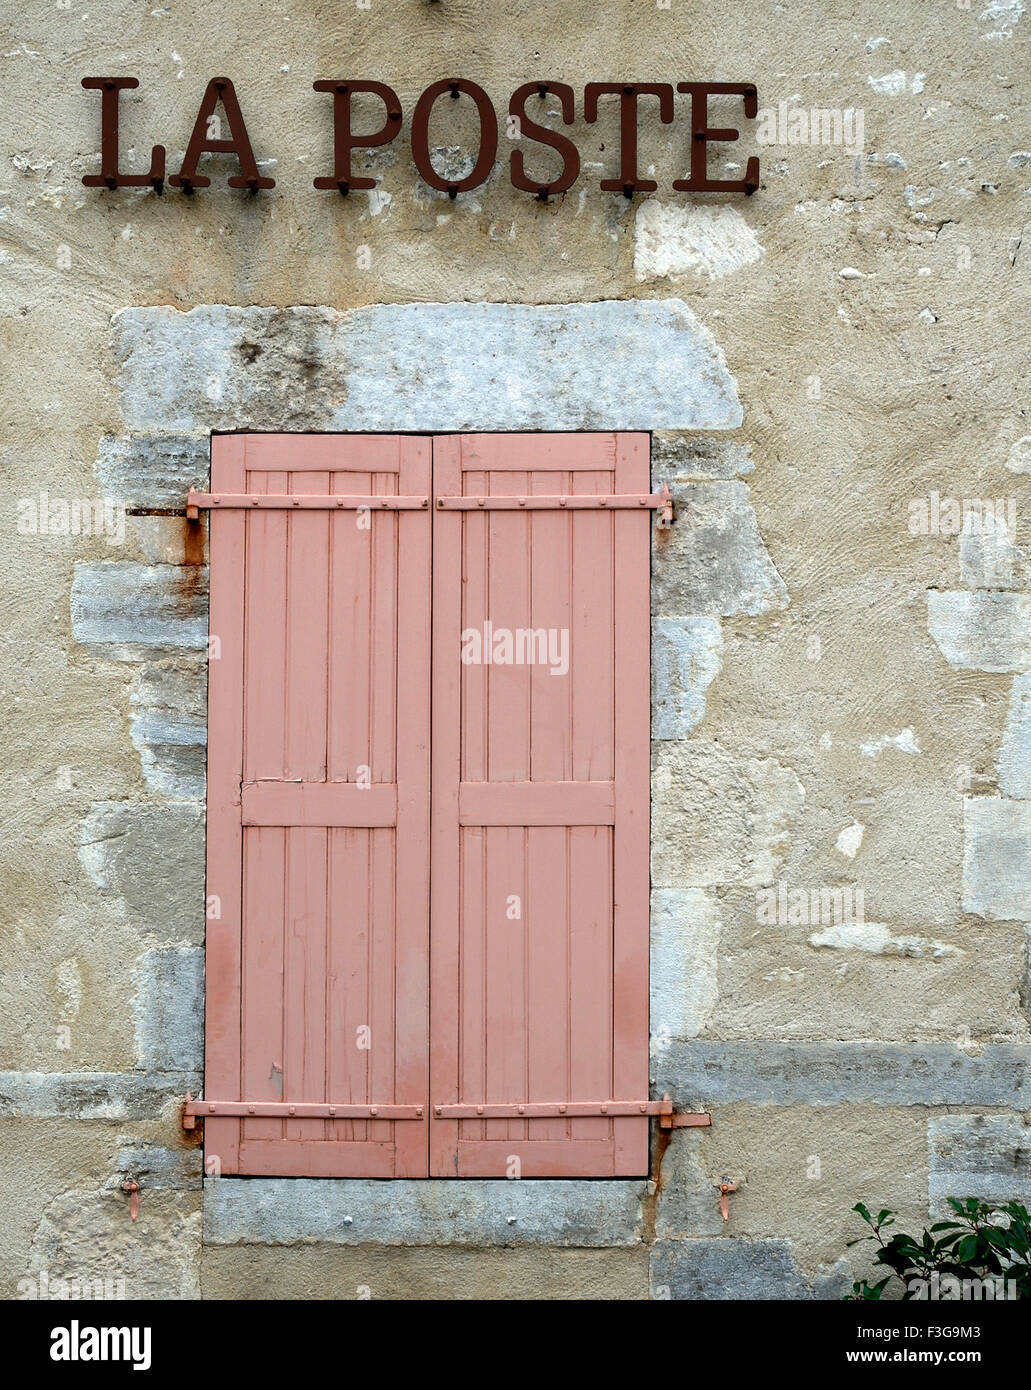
[[421, 135]]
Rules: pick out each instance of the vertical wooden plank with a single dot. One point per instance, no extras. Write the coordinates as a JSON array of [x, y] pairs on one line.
[[445, 896], [264, 1064], [350, 633], [548, 906], [347, 986], [505, 1001], [410, 933], [631, 831], [304, 947], [223, 945]]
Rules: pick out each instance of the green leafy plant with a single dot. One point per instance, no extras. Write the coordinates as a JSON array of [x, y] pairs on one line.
[[984, 1252]]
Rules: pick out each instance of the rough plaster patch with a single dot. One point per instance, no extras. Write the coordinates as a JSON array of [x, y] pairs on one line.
[[615, 364], [700, 1074], [1019, 458], [890, 85], [849, 840], [904, 742], [719, 818], [997, 858], [152, 858], [122, 610], [1014, 763], [741, 1269], [978, 1156], [1004, 13], [713, 561], [878, 940], [685, 942], [169, 1009], [981, 631], [685, 661], [87, 1233], [673, 240], [446, 1211]]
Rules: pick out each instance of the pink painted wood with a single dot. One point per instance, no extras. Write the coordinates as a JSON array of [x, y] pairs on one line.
[[318, 806], [539, 916], [320, 836]]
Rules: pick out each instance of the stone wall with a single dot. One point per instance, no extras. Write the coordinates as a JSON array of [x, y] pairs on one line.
[[840, 695]]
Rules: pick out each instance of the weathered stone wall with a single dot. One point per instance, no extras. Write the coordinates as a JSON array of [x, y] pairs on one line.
[[837, 701]]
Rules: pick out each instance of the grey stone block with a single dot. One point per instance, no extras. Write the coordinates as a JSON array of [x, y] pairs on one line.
[[284, 1211], [685, 661], [986, 1156], [733, 1268], [154, 1165], [617, 364], [152, 857], [1015, 754], [713, 561], [123, 610], [169, 1009], [685, 941], [700, 1074], [982, 630], [690, 457], [87, 1095], [153, 470], [997, 858], [169, 726], [686, 1202]]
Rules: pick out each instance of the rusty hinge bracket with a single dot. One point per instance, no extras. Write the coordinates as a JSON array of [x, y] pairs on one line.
[[320, 502]]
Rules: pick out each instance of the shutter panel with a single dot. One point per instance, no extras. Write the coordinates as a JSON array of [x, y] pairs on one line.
[[318, 808], [539, 972]]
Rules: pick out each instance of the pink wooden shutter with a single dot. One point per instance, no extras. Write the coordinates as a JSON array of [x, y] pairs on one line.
[[539, 973], [318, 806]]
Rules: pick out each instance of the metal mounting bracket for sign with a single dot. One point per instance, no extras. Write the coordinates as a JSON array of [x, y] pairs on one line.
[[618, 501], [228, 501]]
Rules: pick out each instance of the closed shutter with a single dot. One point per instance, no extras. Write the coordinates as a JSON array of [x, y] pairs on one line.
[[318, 806], [539, 922], [402, 983]]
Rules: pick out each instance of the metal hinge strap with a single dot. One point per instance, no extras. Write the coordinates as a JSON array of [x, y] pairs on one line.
[[194, 1110], [572, 1110], [322, 502], [619, 501]]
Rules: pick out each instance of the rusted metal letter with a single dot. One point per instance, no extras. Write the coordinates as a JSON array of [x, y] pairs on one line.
[[701, 134], [628, 182], [344, 139], [543, 136], [220, 89], [110, 176], [421, 135]]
